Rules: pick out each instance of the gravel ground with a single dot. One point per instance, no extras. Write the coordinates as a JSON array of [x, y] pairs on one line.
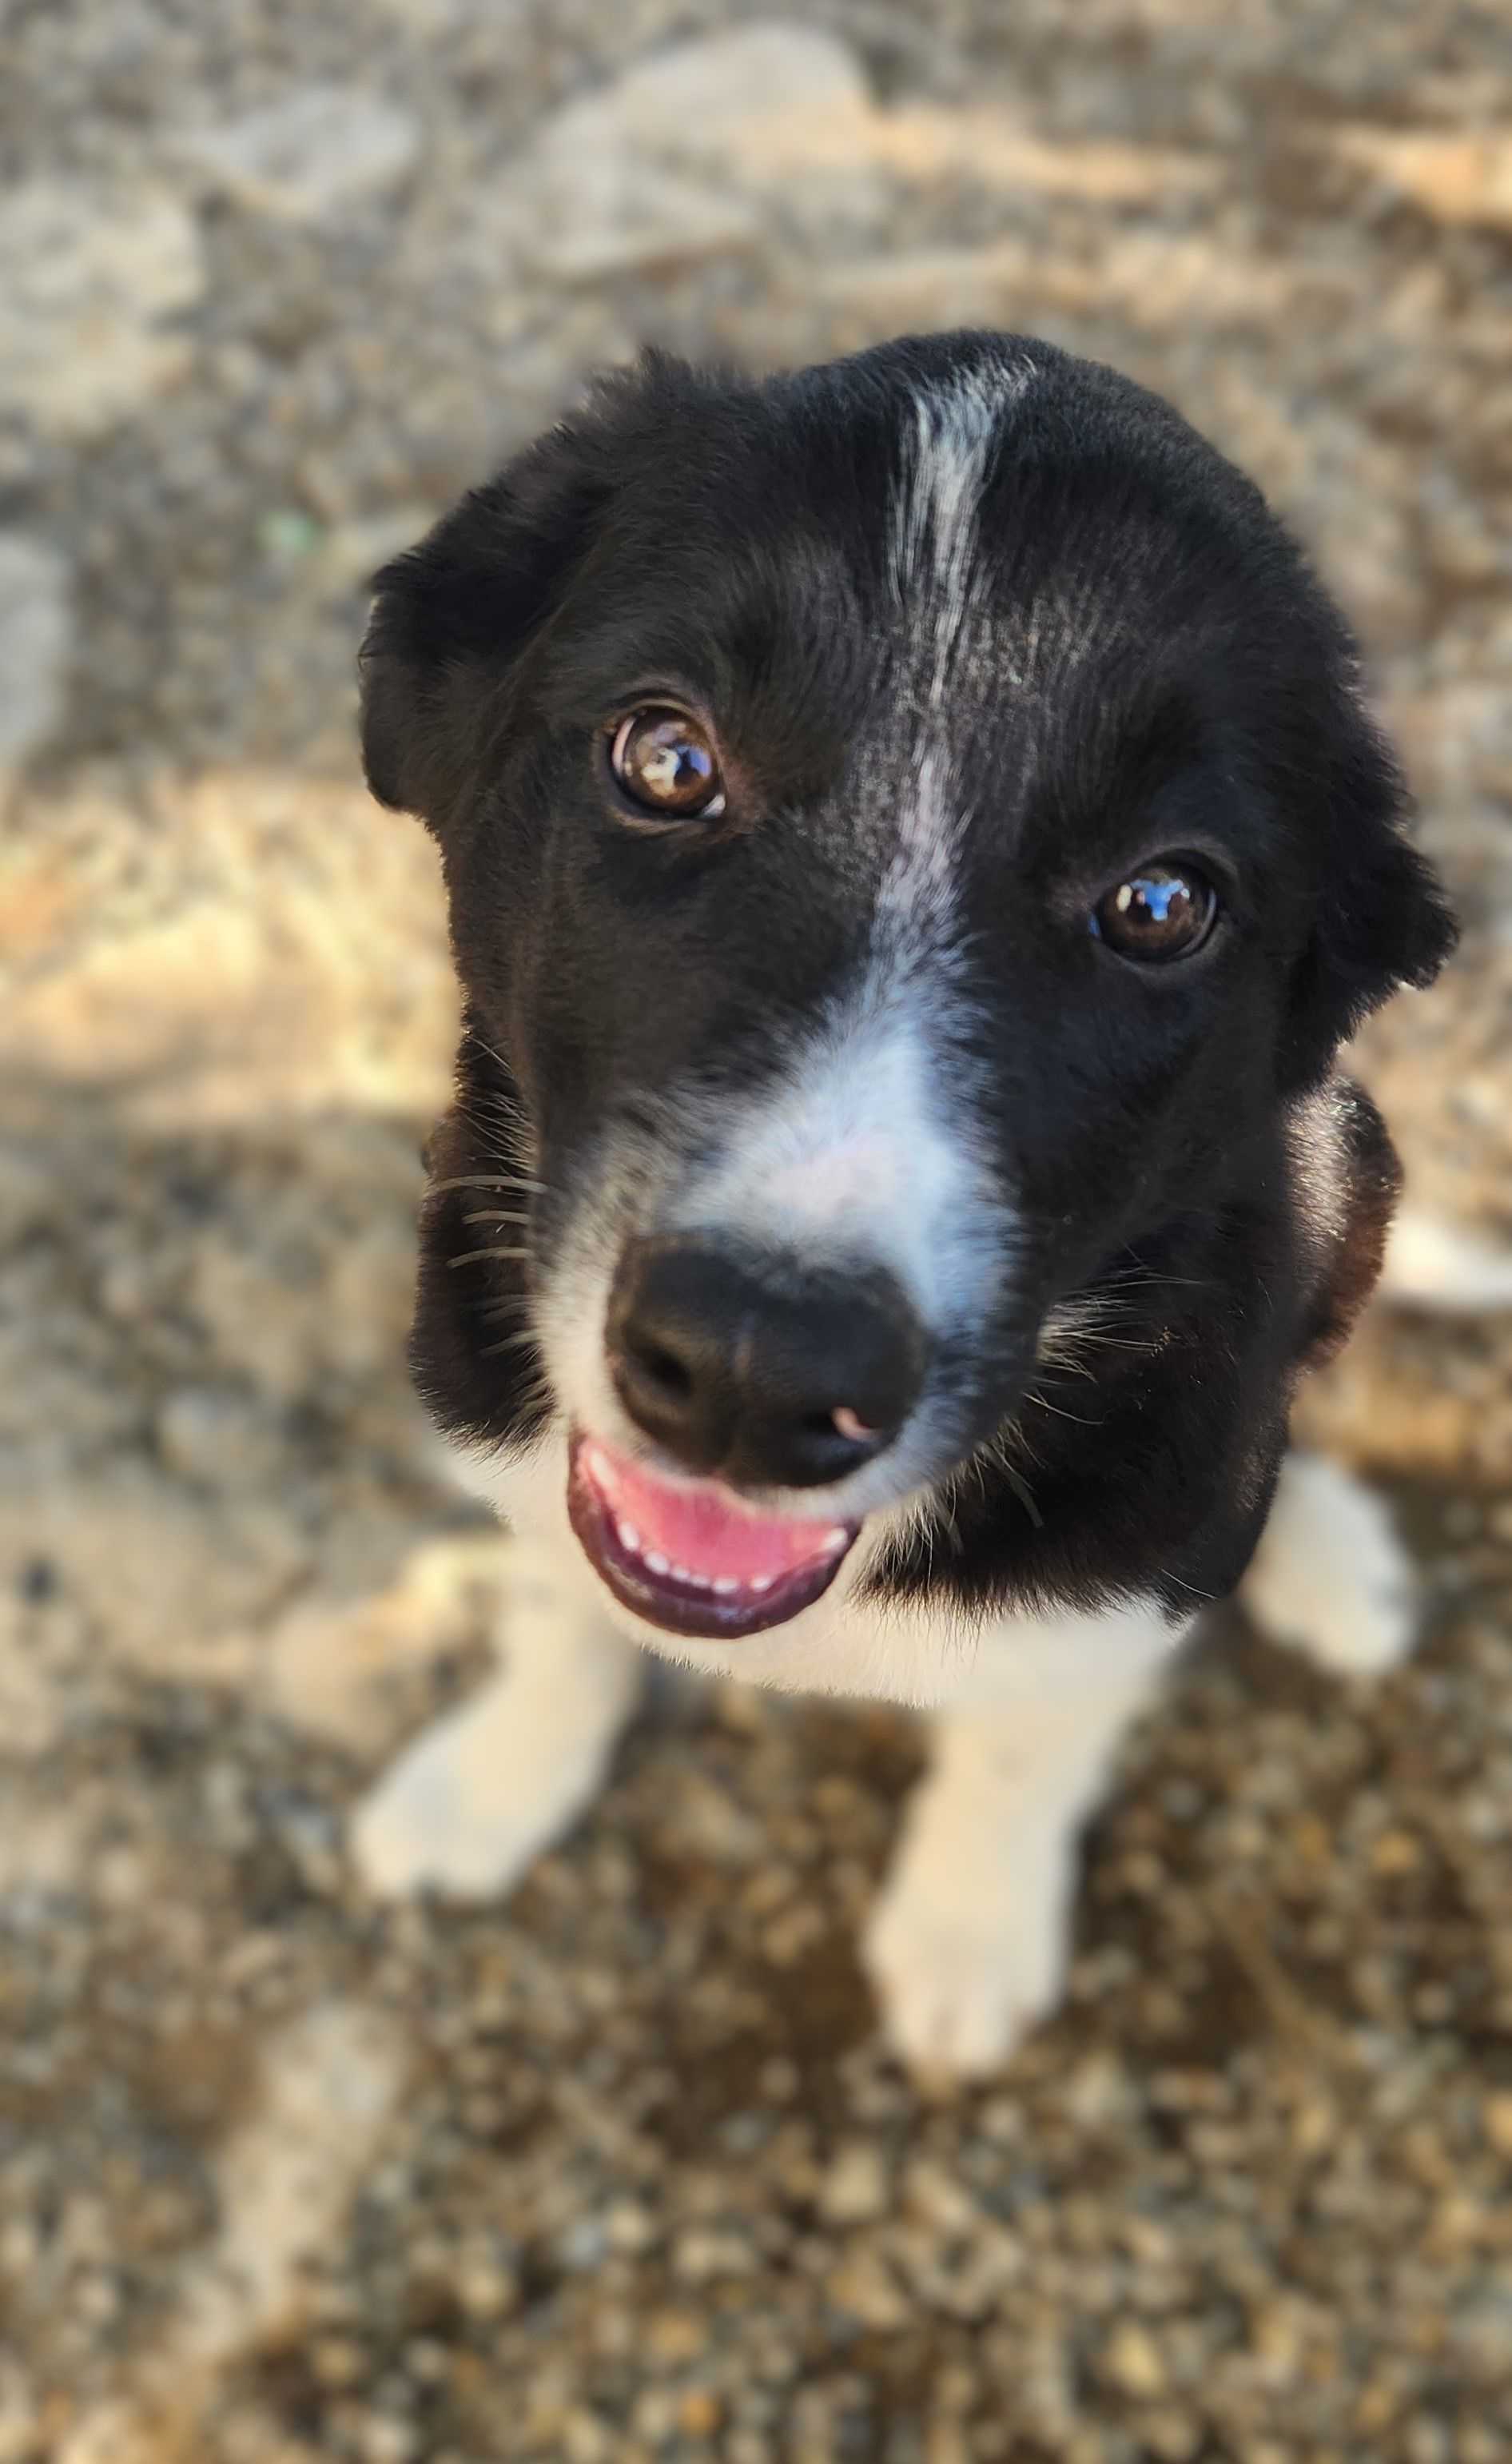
[[619, 2172]]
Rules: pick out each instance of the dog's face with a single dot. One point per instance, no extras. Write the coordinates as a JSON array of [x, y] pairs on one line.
[[910, 827]]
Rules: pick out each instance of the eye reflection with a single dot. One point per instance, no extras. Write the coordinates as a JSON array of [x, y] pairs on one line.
[[665, 764], [1165, 911]]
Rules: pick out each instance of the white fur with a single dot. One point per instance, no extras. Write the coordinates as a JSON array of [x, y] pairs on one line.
[[857, 1151], [1432, 1263], [967, 1945], [472, 1803], [937, 591], [934, 517], [1330, 1577]]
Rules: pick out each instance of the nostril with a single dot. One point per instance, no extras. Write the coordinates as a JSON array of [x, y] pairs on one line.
[[665, 1372]]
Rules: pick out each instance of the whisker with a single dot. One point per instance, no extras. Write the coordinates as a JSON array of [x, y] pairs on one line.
[[484, 1046], [509, 1343], [1034, 1397], [494, 1215], [468, 1256], [1022, 1491], [487, 1180]]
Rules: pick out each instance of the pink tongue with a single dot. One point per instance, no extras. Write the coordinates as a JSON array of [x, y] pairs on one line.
[[701, 1527]]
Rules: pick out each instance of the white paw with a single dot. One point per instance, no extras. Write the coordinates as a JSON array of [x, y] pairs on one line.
[[475, 1800], [1331, 1577], [961, 1977]]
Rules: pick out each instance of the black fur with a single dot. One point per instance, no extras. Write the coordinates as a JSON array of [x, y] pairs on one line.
[[1167, 673]]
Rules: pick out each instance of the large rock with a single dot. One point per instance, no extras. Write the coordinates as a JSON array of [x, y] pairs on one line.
[[653, 169], [308, 155], [88, 274]]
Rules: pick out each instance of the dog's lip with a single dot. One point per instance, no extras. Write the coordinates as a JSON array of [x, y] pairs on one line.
[[690, 1555]]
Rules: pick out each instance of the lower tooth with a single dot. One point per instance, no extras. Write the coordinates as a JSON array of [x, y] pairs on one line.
[[629, 1537], [761, 1582], [680, 1574], [726, 1583], [658, 1564], [837, 1537]]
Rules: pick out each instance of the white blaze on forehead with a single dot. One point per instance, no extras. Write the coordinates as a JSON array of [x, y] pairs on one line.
[[947, 449], [946, 453]]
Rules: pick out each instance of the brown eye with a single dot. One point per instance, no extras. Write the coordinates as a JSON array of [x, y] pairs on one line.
[[1164, 911], [665, 762]]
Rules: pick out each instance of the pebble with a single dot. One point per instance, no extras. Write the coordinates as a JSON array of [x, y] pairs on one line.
[[855, 2187]]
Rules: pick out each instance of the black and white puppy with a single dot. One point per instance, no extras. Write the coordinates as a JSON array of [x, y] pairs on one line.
[[914, 846]]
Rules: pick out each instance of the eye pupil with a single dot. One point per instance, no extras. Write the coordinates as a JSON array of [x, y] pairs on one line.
[[665, 764], [1165, 911]]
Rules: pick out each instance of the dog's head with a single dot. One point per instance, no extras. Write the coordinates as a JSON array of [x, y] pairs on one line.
[[910, 826]]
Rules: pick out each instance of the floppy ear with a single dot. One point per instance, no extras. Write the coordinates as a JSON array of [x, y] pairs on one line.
[[453, 616], [1382, 919]]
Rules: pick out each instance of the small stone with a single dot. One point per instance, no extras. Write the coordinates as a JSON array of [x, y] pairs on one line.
[[855, 2188], [486, 2288], [1131, 2360], [387, 2439], [337, 2361], [1496, 2122], [675, 2338], [704, 2253], [863, 2287], [1395, 1852]]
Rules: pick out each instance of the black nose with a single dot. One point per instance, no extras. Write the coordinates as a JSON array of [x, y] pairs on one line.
[[751, 1365]]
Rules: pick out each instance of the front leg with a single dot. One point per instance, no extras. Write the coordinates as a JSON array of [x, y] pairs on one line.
[[480, 1793], [1331, 1577], [967, 1946]]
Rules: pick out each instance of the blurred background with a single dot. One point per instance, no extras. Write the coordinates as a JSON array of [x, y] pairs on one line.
[[618, 2173]]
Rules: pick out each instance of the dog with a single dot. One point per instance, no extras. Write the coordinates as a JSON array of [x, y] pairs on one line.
[[914, 845]]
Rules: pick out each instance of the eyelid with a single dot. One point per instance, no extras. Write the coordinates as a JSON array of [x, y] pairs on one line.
[[660, 693]]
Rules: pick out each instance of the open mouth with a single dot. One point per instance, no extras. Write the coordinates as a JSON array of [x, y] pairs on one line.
[[690, 1555]]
